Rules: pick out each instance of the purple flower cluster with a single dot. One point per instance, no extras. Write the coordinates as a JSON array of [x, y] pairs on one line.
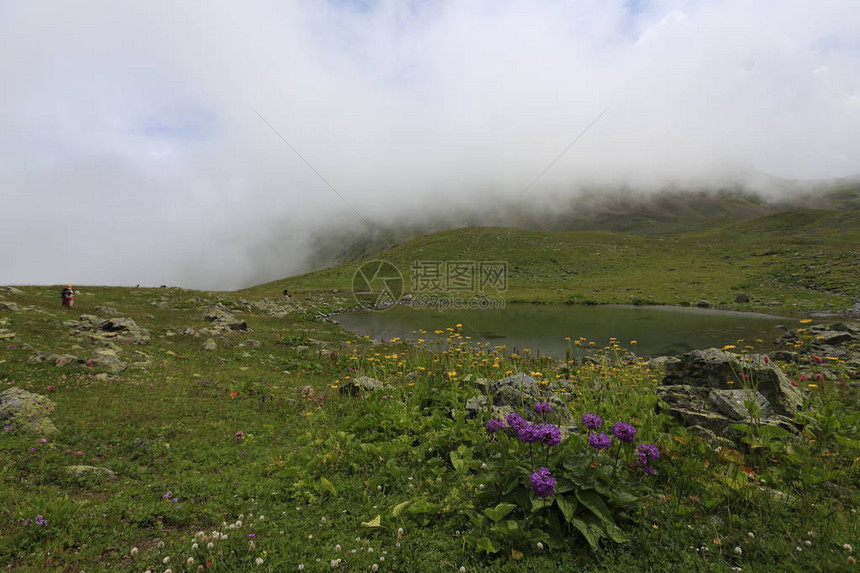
[[543, 407], [543, 484], [495, 424], [168, 497], [546, 434], [39, 520], [599, 441], [624, 431], [646, 453], [591, 421]]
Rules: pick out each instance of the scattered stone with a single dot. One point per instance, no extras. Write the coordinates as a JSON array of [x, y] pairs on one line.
[[210, 344], [107, 311], [107, 360], [223, 320], [704, 304], [252, 343], [10, 306], [742, 298], [716, 369], [81, 471], [24, 410], [58, 359], [10, 290]]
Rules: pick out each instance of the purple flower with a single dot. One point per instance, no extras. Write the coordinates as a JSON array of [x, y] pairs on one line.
[[495, 424], [543, 484], [543, 407], [516, 422], [549, 434], [599, 441], [529, 433], [623, 431], [40, 520], [645, 453], [7, 428], [591, 421]]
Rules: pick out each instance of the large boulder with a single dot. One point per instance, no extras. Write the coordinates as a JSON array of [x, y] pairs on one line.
[[718, 369], [22, 410], [518, 393]]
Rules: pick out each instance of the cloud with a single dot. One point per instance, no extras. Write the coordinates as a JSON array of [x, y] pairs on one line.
[[133, 152]]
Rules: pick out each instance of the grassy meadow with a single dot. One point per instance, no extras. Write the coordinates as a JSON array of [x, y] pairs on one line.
[[258, 453]]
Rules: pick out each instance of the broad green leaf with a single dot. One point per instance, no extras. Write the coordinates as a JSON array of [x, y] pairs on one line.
[[398, 509], [486, 544], [567, 504], [615, 533], [589, 529], [499, 512], [592, 500], [375, 522], [326, 485]]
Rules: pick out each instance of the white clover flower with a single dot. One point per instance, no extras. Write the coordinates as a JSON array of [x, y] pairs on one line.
[[335, 563], [190, 561], [160, 544], [210, 545], [301, 566], [323, 519], [133, 551], [337, 547], [258, 560], [262, 518], [808, 542], [374, 567], [168, 571], [223, 536], [738, 550], [241, 516], [847, 547], [540, 546], [382, 557], [194, 546], [399, 532], [238, 523], [751, 535], [462, 569], [231, 526], [166, 560]]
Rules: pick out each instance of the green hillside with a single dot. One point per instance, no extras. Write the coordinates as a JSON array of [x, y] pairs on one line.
[[797, 261]]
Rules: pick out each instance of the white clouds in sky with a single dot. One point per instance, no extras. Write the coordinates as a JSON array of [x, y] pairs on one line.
[[131, 151]]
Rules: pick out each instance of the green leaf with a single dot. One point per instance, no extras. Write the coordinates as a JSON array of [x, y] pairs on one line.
[[615, 533], [590, 529], [592, 500], [375, 522], [398, 509], [486, 544], [326, 485], [567, 504], [499, 512]]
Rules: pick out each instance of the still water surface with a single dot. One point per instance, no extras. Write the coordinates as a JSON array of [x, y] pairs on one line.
[[657, 330]]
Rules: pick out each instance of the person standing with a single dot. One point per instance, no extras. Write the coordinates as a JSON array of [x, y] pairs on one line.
[[68, 296]]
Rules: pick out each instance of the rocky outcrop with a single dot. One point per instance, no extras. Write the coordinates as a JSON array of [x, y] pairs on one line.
[[222, 321], [715, 389], [22, 410], [112, 329], [518, 393]]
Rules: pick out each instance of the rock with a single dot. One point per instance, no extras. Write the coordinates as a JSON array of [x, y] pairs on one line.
[[107, 360], [833, 338], [519, 393], [742, 298], [252, 343], [81, 471], [661, 362], [704, 304], [784, 356], [6, 334], [210, 344], [733, 403], [126, 329], [355, 386], [10, 290], [717, 369], [10, 306], [107, 311], [27, 411], [58, 359]]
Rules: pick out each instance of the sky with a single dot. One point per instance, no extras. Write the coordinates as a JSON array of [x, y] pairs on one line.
[[207, 144]]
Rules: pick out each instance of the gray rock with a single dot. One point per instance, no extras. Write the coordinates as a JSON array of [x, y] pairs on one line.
[[742, 298], [107, 311], [704, 304], [733, 403], [10, 306], [22, 410], [107, 360], [519, 393], [833, 337], [81, 471], [717, 369], [10, 290], [210, 344], [252, 343], [58, 359]]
